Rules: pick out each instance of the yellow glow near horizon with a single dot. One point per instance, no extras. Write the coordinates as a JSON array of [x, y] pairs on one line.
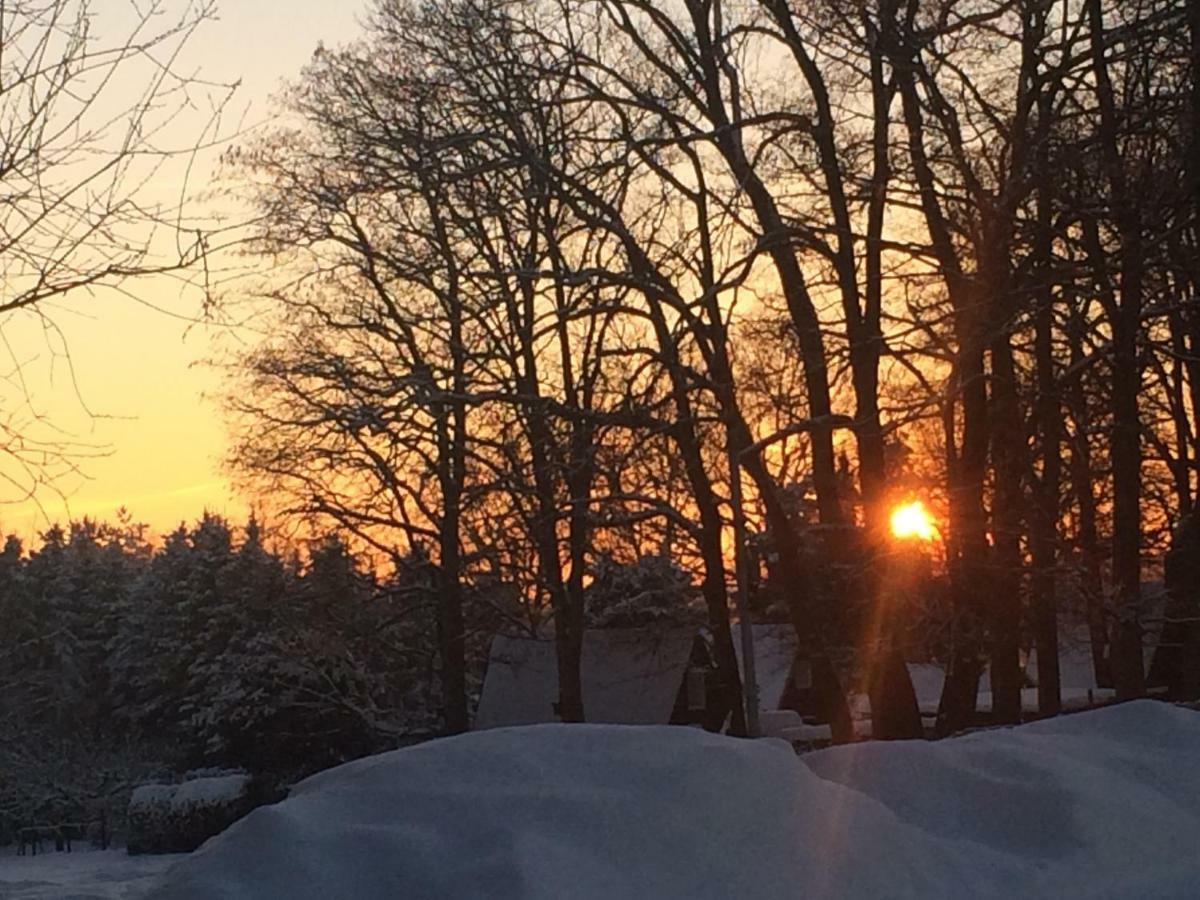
[[913, 520], [120, 380]]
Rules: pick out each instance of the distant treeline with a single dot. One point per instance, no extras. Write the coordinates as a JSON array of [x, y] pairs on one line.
[[123, 660], [119, 657]]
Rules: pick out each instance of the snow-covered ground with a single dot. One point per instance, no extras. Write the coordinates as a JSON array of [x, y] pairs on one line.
[[1103, 804], [82, 875]]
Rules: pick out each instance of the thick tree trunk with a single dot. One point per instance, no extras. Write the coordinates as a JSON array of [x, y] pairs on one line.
[[1177, 659], [880, 645], [716, 597], [713, 586], [453, 632], [966, 466], [1009, 441], [1128, 672], [968, 559], [895, 713]]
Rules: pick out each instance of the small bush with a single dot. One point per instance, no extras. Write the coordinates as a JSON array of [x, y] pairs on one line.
[[179, 818]]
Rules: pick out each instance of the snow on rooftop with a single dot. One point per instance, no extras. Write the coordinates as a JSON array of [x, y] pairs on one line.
[[928, 679], [1103, 804], [774, 657], [631, 676], [1075, 669], [1078, 690]]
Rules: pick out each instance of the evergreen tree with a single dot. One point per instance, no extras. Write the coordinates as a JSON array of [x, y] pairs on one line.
[[653, 590]]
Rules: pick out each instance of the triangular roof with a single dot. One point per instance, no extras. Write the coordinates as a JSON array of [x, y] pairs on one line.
[[631, 676], [774, 656]]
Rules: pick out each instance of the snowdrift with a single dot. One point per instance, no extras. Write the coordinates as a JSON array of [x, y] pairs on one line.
[[1100, 804]]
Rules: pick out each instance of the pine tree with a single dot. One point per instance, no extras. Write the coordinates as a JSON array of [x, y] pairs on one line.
[[653, 590]]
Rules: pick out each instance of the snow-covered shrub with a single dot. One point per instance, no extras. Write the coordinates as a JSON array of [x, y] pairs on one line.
[[179, 818], [149, 819]]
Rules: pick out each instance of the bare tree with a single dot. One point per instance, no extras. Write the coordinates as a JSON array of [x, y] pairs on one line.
[[537, 238]]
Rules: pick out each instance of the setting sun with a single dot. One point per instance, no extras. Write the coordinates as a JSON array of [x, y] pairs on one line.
[[913, 520]]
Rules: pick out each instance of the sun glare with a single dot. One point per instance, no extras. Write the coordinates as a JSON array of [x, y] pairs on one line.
[[913, 520]]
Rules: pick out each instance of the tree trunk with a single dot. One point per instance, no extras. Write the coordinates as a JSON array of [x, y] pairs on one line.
[[451, 625], [454, 668], [807, 612], [579, 485], [568, 617], [568, 621], [773, 231], [880, 645], [966, 549], [968, 559], [1046, 504], [895, 714], [1008, 441], [713, 587], [1128, 673], [660, 291], [1177, 659], [1083, 487], [716, 597]]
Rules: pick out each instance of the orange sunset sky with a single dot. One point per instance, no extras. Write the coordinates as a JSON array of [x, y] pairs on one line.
[[144, 395]]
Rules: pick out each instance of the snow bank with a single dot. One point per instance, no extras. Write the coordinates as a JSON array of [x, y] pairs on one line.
[[1102, 804], [81, 875], [787, 725], [1098, 804]]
